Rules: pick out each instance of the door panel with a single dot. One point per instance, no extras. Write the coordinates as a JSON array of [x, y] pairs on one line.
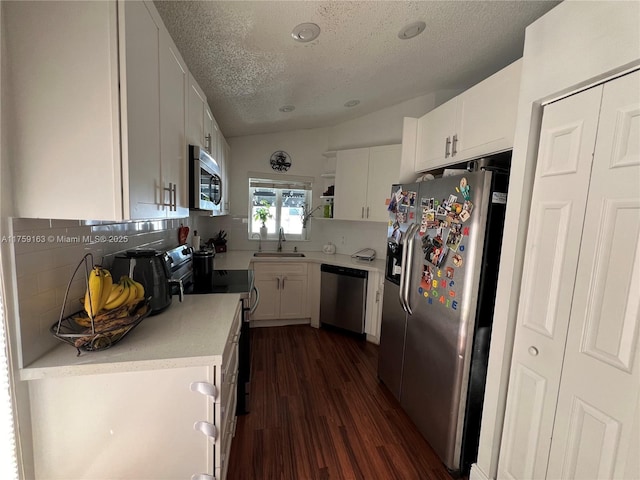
[[269, 306], [392, 334], [293, 297], [384, 170], [351, 184], [596, 412], [558, 206]]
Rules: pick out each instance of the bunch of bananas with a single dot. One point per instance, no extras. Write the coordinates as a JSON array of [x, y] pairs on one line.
[[98, 290], [103, 294], [124, 292]]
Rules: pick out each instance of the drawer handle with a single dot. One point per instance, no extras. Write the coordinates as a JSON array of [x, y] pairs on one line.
[[209, 429], [236, 337], [202, 476], [205, 388]]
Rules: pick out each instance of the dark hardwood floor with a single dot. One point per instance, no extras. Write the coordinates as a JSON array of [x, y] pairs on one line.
[[318, 411]]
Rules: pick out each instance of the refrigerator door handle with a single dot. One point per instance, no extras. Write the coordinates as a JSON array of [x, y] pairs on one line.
[[407, 267], [403, 242]]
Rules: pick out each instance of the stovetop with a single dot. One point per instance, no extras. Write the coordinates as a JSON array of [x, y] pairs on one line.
[[225, 281]]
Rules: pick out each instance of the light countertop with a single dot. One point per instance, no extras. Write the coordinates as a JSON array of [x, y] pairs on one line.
[[191, 333], [241, 259]]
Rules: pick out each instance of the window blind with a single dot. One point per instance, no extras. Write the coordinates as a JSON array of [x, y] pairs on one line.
[[282, 184], [8, 464]]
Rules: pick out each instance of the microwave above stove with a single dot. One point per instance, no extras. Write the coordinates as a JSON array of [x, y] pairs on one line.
[[206, 190]]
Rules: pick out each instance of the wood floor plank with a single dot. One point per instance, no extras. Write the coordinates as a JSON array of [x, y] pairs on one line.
[[319, 412]]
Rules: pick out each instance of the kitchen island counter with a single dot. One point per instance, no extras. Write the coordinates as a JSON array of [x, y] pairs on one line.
[[189, 333]]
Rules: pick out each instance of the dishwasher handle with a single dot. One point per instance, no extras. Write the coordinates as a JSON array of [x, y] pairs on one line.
[[338, 270]]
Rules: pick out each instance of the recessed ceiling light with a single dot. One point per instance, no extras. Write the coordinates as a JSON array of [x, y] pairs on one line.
[[305, 32], [412, 30], [352, 103], [287, 108]]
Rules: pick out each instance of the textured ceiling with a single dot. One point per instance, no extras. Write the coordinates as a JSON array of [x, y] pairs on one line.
[[242, 54]]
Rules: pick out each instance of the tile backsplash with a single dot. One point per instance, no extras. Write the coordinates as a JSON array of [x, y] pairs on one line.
[[46, 255]]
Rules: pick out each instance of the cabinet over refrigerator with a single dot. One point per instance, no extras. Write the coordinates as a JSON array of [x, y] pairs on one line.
[[443, 251]]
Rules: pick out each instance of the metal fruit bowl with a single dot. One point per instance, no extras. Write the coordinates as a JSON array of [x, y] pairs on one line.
[[104, 331]]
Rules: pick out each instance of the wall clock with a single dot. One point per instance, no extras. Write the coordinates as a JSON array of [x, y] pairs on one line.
[[280, 161]]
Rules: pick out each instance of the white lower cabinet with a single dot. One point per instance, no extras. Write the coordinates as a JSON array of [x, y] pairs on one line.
[[283, 291], [171, 423]]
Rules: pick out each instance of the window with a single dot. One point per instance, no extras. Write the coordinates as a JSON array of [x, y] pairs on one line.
[[282, 201]]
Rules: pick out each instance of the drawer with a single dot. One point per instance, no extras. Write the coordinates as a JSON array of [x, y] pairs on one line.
[[270, 268], [234, 336], [229, 377]]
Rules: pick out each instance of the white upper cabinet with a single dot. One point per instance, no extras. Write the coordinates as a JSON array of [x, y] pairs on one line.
[[479, 121], [141, 110], [197, 107], [174, 84], [363, 182], [86, 89]]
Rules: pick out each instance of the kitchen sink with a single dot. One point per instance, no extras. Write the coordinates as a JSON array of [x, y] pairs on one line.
[[278, 254]]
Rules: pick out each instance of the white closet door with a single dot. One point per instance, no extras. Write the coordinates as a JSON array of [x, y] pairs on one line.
[[594, 435], [555, 228]]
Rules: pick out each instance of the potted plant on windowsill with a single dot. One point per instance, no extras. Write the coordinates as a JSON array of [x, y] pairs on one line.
[[307, 213], [262, 214]]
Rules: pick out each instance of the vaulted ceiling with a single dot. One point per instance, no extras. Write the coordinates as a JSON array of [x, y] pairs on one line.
[[243, 55]]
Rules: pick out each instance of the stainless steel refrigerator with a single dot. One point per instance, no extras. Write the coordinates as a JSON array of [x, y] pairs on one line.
[[443, 252]]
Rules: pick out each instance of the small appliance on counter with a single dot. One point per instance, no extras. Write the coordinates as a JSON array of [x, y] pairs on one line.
[[366, 254], [151, 269], [203, 269], [329, 249]]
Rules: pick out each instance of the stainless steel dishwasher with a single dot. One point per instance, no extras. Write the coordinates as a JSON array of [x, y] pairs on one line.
[[343, 296]]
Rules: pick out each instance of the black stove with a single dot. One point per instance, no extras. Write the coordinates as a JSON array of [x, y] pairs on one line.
[[224, 281], [221, 281]]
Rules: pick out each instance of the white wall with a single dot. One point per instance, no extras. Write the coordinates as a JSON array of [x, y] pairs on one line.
[[573, 45], [251, 154]]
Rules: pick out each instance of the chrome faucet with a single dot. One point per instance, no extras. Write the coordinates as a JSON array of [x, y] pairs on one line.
[[281, 239], [259, 240]]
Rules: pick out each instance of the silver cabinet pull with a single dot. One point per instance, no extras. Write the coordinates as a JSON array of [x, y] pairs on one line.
[[278, 285], [205, 388], [208, 429], [367, 212], [283, 279], [362, 214], [453, 145], [446, 148]]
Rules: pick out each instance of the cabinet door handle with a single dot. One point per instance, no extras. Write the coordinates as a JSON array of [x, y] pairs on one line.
[[367, 212], [453, 145], [235, 338], [278, 285], [362, 214], [205, 388], [447, 144], [208, 429], [283, 279]]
